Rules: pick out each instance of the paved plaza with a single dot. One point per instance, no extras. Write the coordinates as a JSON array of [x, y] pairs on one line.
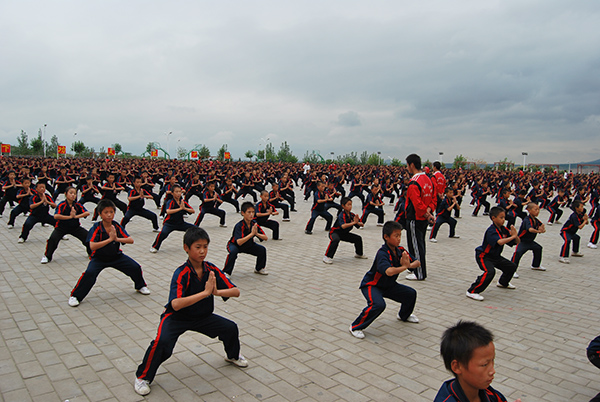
[[293, 323]]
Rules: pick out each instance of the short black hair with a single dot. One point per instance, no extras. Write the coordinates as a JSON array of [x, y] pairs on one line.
[[390, 227], [246, 205], [415, 160], [459, 342], [506, 190], [105, 203], [437, 165], [345, 200], [495, 211], [193, 234], [69, 189], [576, 204]]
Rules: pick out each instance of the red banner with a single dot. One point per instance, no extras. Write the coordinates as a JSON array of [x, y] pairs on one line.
[[111, 152], [154, 153], [61, 150], [195, 154], [227, 155], [5, 148]]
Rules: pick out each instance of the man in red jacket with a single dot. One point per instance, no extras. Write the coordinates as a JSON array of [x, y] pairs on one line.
[[421, 202]]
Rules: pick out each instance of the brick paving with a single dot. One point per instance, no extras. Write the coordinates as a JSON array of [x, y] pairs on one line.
[[293, 323]]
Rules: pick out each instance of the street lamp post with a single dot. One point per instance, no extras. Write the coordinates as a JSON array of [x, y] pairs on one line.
[[73, 143], [524, 158], [44, 141], [378, 158], [442, 158], [169, 149]]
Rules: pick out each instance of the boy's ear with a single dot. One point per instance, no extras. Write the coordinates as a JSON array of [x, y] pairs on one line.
[[186, 248], [456, 367]]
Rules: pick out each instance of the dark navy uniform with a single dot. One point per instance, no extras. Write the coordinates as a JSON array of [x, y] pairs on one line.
[[337, 234], [241, 230], [198, 317], [569, 234], [318, 209], [528, 242], [264, 221], [377, 285], [444, 216], [107, 256], [136, 207], [172, 222], [39, 214], [451, 391], [68, 226], [210, 207]]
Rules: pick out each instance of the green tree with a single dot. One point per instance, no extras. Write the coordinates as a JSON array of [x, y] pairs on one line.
[[260, 154], [396, 162], [22, 144], [270, 155], [364, 158], [459, 162], [203, 152], [374, 159], [249, 154], [311, 157], [285, 154], [118, 149], [53, 147], [351, 159], [221, 153], [505, 164], [78, 147], [182, 152], [37, 145]]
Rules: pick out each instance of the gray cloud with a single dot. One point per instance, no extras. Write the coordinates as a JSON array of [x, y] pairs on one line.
[[349, 119]]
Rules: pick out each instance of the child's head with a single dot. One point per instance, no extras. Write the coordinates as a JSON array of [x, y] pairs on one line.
[[275, 186], [375, 188], [320, 185], [211, 186], [40, 187], [195, 243], [106, 209], [497, 215], [176, 191], [26, 182], [449, 191], [577, 206], [468, 352], [561, 192], [392, 233], [533, 209], [247, 210], [522, 193], [111, 177], [264, 196], [346, 203], [71, 193], [505, 193], [415, 160]]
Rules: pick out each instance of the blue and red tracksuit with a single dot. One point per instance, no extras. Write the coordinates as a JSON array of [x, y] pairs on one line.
[[107, 256], [241, 230], [377, 285], [451, 391], [318, 209], [488, 256], [569, 234], [172, 222], [264, 221], [444, 216], [198, 317], [337, 234], [210, 207], [528, 242], [595, 222], [67, 226]]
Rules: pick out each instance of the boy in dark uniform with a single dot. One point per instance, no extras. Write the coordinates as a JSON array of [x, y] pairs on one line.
[[242, 241], [105, 238], [191, 308], [489, 255], [340, 231], [23, 202], [380, 282], [39, 204], [276, 199], [373, 205], [568, 232], [176, 208], [318, 209], [554, 207], [530, 227], [136, 198], [264, 210], [210, 205], [448, 203]]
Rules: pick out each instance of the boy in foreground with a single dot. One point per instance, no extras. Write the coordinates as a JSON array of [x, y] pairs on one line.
[[380, 282], [468, 352], [190, 307]]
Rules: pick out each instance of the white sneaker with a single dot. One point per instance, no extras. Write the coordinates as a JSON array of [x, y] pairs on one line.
[[286, 219], [156, 230], [475, 296], [262, 272], [44, 260], [357, 334], [10, 226], [433, 240], [455, 237], [564, 260], [412, 277], [380, 224], [509, 286], [21, 240], [549, 224], [540, 268], [362, 257], [240, 361], [223, 225], [153, 250], [592, 245], [327, 260], [515, 275], [144, 290], [577, 254], [411, 318], [45, 225], [65, 237], [73, 302], [142, 387]]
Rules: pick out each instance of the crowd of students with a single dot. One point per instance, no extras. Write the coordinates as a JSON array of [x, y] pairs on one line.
[[423, 200]]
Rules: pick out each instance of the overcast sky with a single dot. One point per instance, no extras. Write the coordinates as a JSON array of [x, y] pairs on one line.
[[485, 79]]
